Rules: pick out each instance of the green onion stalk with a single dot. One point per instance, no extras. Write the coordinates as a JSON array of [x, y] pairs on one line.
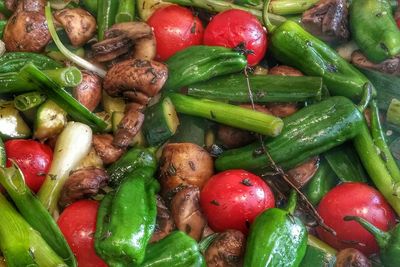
[[28, 101]]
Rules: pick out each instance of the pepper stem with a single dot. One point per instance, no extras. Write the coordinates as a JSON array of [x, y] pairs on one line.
[[270, 27], [381, 237], [292, 202], [207, 241]]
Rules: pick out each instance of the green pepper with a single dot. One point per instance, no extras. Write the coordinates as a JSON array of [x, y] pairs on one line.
[[177, 249], [276, 238], [126, 220], [374, 29], [106, 12], [318, 254], [291, 44], [388, 242], [132, 160], [200, 63], [14, 61]]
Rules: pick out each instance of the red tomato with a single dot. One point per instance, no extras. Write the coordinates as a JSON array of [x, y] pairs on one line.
[[175, 29], [357, 199], [78, 224], [233, 27], [232, 200], [32, 157]]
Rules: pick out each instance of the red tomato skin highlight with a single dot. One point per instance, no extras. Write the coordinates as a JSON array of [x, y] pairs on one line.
[[232, 27], [78, 224], [232, 200], [32, 157], [357, 199], [175, 29]]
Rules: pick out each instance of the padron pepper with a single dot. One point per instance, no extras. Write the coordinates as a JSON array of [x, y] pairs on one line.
[[276, 238], [374, 29], [126, 220], [293, 45], [388, 242]]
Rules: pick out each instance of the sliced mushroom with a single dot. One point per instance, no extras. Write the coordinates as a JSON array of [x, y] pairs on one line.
[[26, 31], [231, 137], [328, 20], [184, 164], [301, 174], [122, 38], [351, 257], [185, 209], [81, 184], [88, 92], [129, 125], [78, 23], [226, 250], [164, 223], [284, 70], [389, 66], [108, 153]]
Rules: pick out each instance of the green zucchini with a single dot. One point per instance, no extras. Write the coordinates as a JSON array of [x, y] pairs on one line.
[[265, 88], [3, 156], [112, 104], [50, 120], [190, 130], [12, 126], [14, 61], [161, 122], [309, 132], [146, 8]]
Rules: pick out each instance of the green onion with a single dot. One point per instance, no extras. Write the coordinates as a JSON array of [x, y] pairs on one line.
[[393, 112], [73, 144], [106, 13], [28, 101], [66, 77], [235, 116], [290, 7], [30, 73], [34, 213], [126, 11], [68, 54]]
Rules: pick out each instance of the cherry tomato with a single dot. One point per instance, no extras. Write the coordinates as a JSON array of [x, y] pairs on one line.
[[233, 27], [357, 199], [232, 200], [32, 157], [78, 224], [175, 29]]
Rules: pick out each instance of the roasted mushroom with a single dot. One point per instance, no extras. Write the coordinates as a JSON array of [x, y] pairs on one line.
[[129, 125], [185, 209], [27, 30], [78, 23], [351, 257], [226, 250], [81, 184], [328, 20], [389, 66], [184, 164], [164, 223], [88, 92], [283, 70], [301, 174], [133, 38], [108, 153], [282, 110]]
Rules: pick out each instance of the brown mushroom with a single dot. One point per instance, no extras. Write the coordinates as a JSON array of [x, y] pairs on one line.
[[108, 153], [328, 20], [11, 5], [351, 257], [282, 110], [226, 250], [26, 31], [78, 23], [164, 222], [284, 70], [389, 66], [81, 184], [185, 209], [134, 38], [88, 92], [30, 5], [184, 164], [301, 174], [129, 126], [231, 137]]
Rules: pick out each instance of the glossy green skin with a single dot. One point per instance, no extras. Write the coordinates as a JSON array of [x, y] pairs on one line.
[[200, 63], [318, 254], [309, 132], [345, 162], [291, 44], [132, 160], [177, 249], [106, 11], [126, 222], [276, 238], [323, 181], [374, 29], [14, 61]]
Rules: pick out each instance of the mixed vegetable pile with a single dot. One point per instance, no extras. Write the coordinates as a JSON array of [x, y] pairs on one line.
[[199, 133]]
